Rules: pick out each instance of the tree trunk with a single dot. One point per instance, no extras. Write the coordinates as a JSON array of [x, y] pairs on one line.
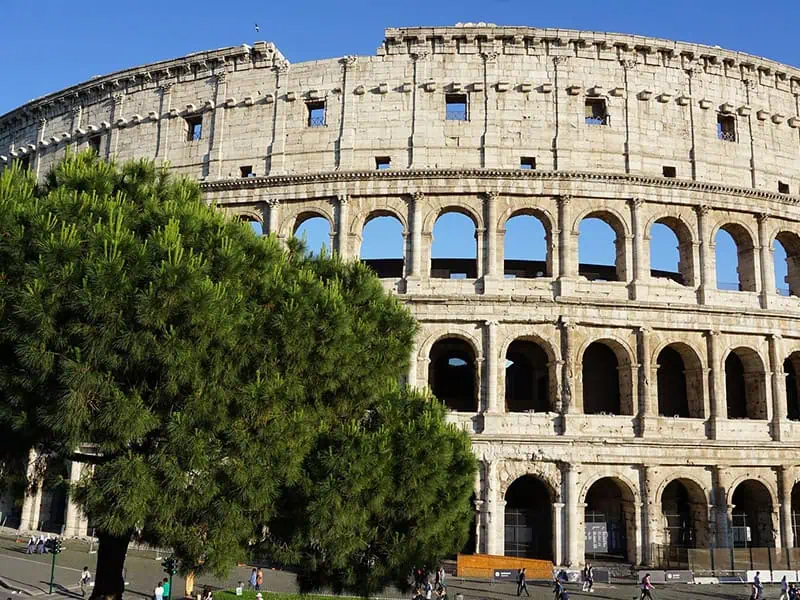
[[108, 580], [189, 587]]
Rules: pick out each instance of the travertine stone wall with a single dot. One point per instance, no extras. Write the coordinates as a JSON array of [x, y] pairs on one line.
[[526, 91]]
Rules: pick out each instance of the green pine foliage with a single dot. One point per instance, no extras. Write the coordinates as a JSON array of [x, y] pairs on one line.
[[224, 390]]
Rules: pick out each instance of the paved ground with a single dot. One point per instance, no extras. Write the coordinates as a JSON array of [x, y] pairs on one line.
[[29, 575]]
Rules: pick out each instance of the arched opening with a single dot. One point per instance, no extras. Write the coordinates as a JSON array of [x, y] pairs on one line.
[[671, 251], [452, 376], [744, 385], [53, 505], [529, 519], [454, 252], [752, 525], [527, 378], [315, 232], [525, 248], [601, 248], [735, 259], [790, 368], [602, 382], [786, 248], [610, 520], [679, 379], [685, 515], [382, 245]]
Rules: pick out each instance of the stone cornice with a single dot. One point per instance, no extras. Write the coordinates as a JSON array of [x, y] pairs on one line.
[[517, 174]]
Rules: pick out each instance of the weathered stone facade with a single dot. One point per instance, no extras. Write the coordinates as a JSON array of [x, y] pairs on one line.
[[632, 130]]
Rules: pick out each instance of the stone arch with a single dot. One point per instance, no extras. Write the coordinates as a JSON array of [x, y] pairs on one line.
[[247, 214], [453, 267], [684, 513], [528, 518], [685, 238], [619, 226], [745, 384], [431, 339], [384, 266], [679, 393], [610, 516], [362, 219], [528, 375], [453, 375], [293, 215], [768, 484], [743, 239], [433, 214], [527, 267], [790, 242], [791, 370], [752, 503], [600, 394]]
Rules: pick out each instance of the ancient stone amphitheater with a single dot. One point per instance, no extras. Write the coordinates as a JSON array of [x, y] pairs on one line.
[[618, 411]]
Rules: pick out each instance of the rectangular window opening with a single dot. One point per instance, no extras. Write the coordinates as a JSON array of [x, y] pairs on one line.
[[316, 114], [94, 143], [246, 171], [783, 187], [194, 128], [668, 171], [596, 112], [455, 107], [527, 163], [382, 163], [726, 128]]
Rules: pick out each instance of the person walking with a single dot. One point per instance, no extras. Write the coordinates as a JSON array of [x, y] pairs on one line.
[[522, 583], [558, 588], [646, 588], [253, 579], [31, 545], [85, 580], [784, 588], [588, 578], [165, 585], [758, 588], [259, 579], [158, 592]]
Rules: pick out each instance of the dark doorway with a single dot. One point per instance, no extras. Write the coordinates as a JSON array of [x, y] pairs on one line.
[[452, 374], [673, 400], [601, 393], [752, 516], [609, 514], [528, 519], [527, 378]]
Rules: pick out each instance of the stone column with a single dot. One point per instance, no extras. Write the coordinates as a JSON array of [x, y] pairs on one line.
[[164, 122], [492, 359], [574, 520], [492, 274], [39, 138], [342, 220], [779, 405], [558, 533], [73, 516], [652, 514], [648, 408], [216, 139], [641, 262], [708, 277], [716, 391], [273, 219], [568, 400], [787, 479], [415, 271], [491, 129], [567, 248], [32, 500], [116, 113], [479, 508], [638, 534], [722, 481], [277, 152], [494, 529], [767, 260], [347, 132]]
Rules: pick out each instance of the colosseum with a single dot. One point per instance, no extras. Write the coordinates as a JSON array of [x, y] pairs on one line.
[[618, 410]]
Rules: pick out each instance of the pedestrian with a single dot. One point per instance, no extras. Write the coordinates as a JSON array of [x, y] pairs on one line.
[[253, 580], [440, 575], [40, 545], [522, 583], [259, 579], [646, 586], [428, 589], [558, 588], [158, 591], [758, 588], [784, 589], [85, 580], [792, 592], [31, 545], [165, 585], [207, 595], [590, 577]]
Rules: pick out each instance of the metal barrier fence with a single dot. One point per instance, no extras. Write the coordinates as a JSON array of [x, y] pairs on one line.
[[723, 561]]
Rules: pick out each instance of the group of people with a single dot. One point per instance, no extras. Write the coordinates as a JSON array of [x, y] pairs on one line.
[[41, 545], [256, 579], [425, 589], [789, 591], [162, 591]]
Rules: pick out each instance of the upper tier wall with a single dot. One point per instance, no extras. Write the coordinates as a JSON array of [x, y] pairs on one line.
[[526, 91]]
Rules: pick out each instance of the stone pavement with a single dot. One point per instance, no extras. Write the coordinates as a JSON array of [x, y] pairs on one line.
[[28, 575]]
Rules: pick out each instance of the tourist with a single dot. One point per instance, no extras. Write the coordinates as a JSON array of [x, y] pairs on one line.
[[428, 589], [85, 580], [646, 586], [253, 579], [166, 587], [207, 595], [259, 579], [441, 592], [31, 545], [558, 588], [758, 588], [440, 576], [588, 578], [792, 592], [522, 583], [784, 589], [40, 545], [158, 592]]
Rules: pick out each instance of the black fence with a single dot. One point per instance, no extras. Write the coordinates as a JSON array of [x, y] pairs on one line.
[[722, 561]]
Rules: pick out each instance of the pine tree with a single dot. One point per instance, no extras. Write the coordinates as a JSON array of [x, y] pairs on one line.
[[198, 368]]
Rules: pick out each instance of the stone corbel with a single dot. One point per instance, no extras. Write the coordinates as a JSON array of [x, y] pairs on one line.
[[503, 86], [683, 99], [477, 86], [455, 86], [291, 96], [359, 90], [429, 86], [595, 90], [121, 122], [664, 97], [645, 95], [726, 108], [705, 104], [525, 87], [208, 105], [248, 100], [778, 118], [744, 110], [230, 102], [762, 115], [574, 90], [794, 122], [545, 88], [269, 98], [383, 88], [406, 87], [190, 108], [153, 116], [617, 92]]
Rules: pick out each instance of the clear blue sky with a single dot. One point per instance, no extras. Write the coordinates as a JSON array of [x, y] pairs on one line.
[[51, 44]]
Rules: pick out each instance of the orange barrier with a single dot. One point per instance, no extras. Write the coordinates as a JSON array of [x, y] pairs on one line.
[[484, 565]]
